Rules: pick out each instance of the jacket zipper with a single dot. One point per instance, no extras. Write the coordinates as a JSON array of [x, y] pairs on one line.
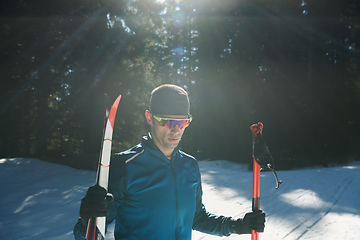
[[176, 200]]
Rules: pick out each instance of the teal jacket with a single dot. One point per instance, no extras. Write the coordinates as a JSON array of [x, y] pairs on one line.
[[158, 199]]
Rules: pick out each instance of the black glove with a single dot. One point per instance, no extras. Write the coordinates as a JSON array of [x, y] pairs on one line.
[[252, 221], [94, 204]]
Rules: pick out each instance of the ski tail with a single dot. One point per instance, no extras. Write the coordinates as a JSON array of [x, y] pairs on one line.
[[95, 231], [96, 226], [256, 130]]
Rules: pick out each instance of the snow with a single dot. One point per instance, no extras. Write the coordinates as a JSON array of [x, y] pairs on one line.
[[40, 200]]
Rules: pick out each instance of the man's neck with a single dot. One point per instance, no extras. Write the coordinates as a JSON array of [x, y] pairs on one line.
[[167, 152]]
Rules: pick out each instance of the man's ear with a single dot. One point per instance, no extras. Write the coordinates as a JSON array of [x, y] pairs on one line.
[[148, 117]]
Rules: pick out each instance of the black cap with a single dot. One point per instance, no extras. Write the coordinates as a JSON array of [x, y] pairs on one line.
[[169, 99]]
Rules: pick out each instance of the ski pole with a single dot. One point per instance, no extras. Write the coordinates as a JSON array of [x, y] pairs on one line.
[[262, 159], [256, 131]]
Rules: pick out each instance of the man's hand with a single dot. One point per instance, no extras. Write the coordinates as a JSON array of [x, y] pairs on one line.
[[94, 204], [252, 221]]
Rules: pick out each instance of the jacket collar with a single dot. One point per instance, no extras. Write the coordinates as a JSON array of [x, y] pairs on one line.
[[148, 142]]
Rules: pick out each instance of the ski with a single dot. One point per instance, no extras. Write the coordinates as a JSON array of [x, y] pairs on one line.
[[96, 226]]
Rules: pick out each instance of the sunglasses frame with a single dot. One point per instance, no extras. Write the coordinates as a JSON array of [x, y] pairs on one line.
[[171, 119]]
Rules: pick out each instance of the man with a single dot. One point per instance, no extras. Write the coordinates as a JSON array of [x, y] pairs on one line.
[[156, 187]]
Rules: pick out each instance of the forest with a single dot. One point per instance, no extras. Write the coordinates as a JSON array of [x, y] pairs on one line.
[[293, 65]]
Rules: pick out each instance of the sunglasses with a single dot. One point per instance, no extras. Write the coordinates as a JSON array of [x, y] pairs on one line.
[[172, 122]]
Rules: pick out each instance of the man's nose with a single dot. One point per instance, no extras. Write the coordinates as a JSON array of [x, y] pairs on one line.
[[176, 128]]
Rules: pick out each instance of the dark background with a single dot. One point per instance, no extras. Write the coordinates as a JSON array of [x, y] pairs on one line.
[[293, 65]]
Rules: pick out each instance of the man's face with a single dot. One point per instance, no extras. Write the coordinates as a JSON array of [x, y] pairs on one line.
[[165, 139]]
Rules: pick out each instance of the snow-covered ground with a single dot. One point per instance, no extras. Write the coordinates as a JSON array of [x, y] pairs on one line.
[[41, 200]]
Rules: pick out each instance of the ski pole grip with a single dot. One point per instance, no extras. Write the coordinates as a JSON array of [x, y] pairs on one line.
[[256, 130]]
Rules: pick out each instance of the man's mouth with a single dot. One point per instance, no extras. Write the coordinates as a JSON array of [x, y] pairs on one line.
[[172, 139]]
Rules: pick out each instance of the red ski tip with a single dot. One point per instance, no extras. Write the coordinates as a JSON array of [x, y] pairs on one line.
[[113, 111]]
